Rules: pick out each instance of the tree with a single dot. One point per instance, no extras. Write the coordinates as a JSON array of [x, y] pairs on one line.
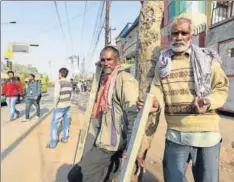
[[24, 69], [148, 51], [149, 42], [20, 68]]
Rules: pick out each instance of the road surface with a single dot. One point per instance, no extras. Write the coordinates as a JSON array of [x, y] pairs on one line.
[[24, 155], [13, 130], [26, 159]]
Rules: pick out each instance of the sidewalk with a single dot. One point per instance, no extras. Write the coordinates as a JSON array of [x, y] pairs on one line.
[[31, 161]]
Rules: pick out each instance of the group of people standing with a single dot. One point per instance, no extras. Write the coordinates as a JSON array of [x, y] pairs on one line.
[[189, 83], [13, 90], [80, 86]]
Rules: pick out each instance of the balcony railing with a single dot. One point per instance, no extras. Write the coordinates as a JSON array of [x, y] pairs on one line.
[[221, 11]]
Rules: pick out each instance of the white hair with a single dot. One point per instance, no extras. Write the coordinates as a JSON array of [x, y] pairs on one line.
[[180, 20]]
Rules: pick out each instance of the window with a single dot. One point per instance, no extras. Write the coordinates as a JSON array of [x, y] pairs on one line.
[[230, 52], [222, 11]]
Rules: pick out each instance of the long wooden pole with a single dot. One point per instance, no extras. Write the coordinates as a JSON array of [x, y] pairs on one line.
[[107, 19]]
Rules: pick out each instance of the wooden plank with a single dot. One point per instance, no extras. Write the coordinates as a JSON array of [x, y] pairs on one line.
[[87, 119], [135, 141]]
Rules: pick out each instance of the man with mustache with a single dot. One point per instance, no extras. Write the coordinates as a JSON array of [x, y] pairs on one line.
[[191, 84], [114, 114]]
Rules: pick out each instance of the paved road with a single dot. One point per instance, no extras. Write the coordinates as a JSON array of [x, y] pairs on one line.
[[13, 132], [25, 159], [46, 100], [24, 156]]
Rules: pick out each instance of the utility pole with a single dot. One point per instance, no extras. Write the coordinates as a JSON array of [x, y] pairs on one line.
[[107, 22], [111, 29], [50, 69], [83, 67]]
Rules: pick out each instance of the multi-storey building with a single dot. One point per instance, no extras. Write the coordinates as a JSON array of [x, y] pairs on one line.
[[120, 39], [221, 38]]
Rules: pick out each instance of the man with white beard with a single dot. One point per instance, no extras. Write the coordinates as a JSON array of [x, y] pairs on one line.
[[191, 84]]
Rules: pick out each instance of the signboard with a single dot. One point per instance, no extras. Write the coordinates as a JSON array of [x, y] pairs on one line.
[[23, 48], [8, 54]]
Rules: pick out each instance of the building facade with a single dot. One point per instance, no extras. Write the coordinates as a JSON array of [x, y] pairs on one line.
[[120, 39], [221, 38], [130, 42], [198, 11]]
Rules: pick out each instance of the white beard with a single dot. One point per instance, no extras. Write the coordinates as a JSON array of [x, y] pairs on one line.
[[181, 48]]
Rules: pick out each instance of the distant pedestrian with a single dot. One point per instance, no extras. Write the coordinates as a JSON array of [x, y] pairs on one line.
[[79, 86], [32, 97], [82, 86], [19, 97], [62, 102], [12, 89], [74, 85]]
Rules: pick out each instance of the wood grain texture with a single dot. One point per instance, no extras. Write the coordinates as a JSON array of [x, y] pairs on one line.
[[88, 114], [135, 141]]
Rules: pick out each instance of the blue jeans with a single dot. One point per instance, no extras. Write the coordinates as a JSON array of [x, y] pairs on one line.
[[28, 105], [11, 102], [59, 113], [205, 162]]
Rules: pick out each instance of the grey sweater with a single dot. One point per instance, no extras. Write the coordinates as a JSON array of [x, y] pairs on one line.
[[62, 95]]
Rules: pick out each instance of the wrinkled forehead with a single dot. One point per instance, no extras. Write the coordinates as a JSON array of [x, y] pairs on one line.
[[179, 26], [107, 54]]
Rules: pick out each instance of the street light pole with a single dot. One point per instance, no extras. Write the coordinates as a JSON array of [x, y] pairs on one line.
[[111, 29]]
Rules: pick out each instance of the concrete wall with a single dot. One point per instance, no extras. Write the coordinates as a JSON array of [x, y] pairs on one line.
[[229, 105], [228, 62], [221, 39], [220, 32], [228, 67]]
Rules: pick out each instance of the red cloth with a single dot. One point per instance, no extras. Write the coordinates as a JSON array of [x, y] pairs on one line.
[[102, 97], [12, 87]]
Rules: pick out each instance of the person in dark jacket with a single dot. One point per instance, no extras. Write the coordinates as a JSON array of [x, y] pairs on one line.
[[33, 92], [12, 88]]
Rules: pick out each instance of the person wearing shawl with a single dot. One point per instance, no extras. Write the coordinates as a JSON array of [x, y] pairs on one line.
[[115, 112], [190, 84]]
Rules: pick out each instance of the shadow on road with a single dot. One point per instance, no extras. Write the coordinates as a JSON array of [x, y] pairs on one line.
[[22, 137], [81, 108], [149, 177], [42, 112], [63, 170], [61, 175]]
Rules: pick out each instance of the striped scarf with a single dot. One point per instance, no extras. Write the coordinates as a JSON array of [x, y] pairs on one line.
[[104, 97], [201, 62]]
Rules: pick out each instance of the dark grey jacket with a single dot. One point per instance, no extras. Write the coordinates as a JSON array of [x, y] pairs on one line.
[[33, 89]]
